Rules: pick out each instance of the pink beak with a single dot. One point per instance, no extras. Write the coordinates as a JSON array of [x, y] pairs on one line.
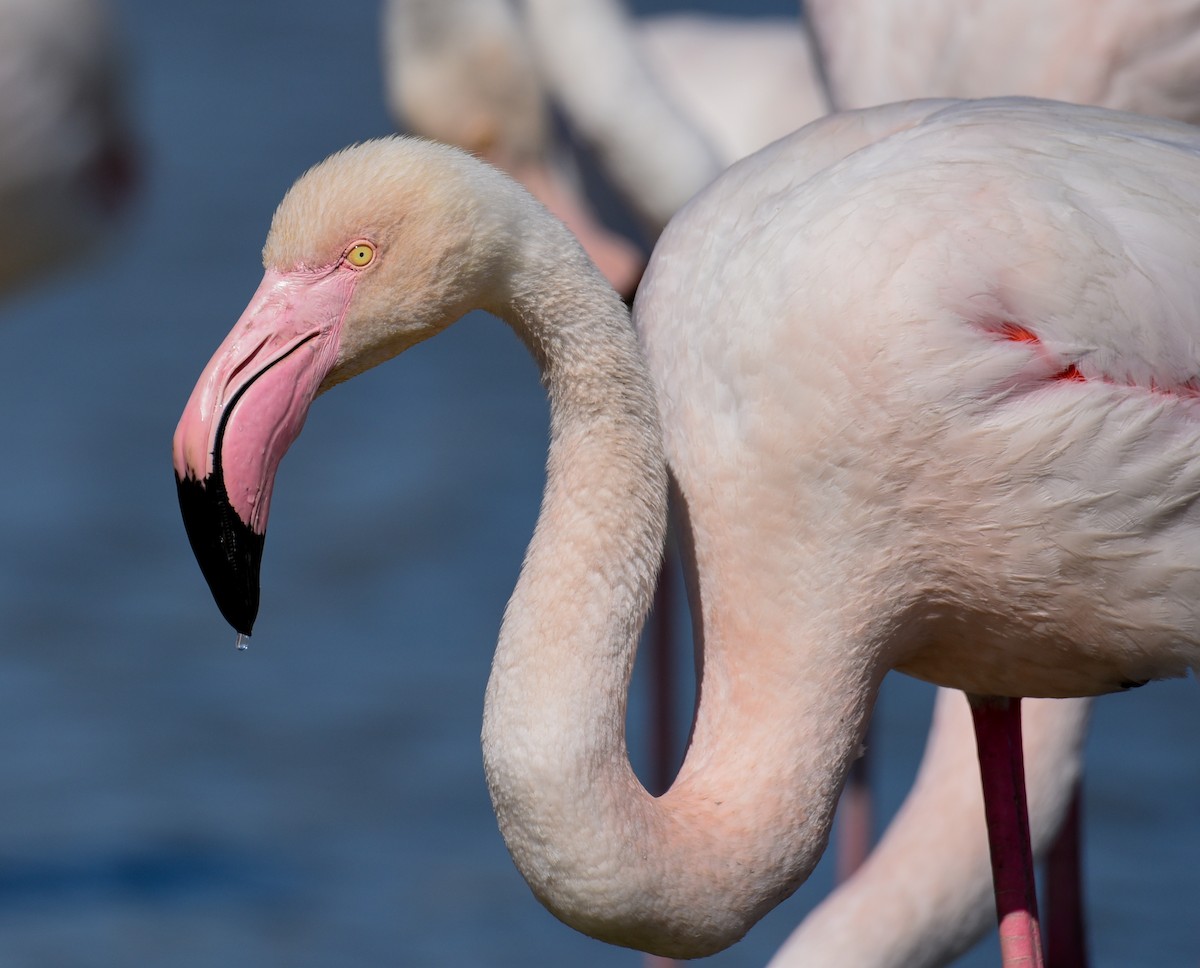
[[246, 409]]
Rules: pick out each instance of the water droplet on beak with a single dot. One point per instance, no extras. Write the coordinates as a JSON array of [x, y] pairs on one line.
[[242, 642]]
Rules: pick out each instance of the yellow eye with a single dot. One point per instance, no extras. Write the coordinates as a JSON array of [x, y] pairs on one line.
[[361, 255]]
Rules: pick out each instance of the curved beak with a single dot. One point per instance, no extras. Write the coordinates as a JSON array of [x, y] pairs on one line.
[[245, 411]]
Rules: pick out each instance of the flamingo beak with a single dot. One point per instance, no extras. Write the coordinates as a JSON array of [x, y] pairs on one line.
[[246, 409]]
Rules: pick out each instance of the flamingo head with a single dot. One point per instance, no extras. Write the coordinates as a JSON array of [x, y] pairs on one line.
[[373, 250]]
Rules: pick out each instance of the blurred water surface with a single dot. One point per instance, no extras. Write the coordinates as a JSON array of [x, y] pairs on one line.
[[319, 800]]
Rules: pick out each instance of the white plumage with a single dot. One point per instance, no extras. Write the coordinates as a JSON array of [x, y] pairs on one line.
[[944, 287]]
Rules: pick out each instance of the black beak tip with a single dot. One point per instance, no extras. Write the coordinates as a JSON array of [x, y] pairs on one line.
[[227, 549]]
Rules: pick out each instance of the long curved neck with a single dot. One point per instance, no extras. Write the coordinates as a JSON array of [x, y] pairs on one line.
[[747, 820]]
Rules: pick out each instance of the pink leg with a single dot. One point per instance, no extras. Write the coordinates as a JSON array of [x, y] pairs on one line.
[[854, 818], [1002, 765], [1066, 939], [661, 646]]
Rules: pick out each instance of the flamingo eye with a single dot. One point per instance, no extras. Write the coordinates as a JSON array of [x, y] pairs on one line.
[[361, 255]]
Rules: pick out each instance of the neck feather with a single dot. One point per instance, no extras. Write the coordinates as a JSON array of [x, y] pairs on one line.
[[689, 873]]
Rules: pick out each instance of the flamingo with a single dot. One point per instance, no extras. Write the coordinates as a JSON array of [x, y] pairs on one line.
[[67, 162], [1132, 55], [984, 472]]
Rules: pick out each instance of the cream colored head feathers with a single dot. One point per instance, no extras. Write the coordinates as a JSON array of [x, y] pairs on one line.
[[433, 215]]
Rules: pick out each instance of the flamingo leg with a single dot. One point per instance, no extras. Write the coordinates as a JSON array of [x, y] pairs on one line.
[[1066, 938], [1002, 766], [661, 647], [854, 818], [664, 758]]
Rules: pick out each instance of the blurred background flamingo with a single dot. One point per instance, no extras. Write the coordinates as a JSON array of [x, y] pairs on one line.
[[67, 158]]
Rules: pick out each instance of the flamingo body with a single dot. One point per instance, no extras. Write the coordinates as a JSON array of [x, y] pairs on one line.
[[1014, 322]]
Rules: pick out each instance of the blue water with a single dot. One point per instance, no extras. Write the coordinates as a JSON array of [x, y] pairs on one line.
[[319, 799]]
